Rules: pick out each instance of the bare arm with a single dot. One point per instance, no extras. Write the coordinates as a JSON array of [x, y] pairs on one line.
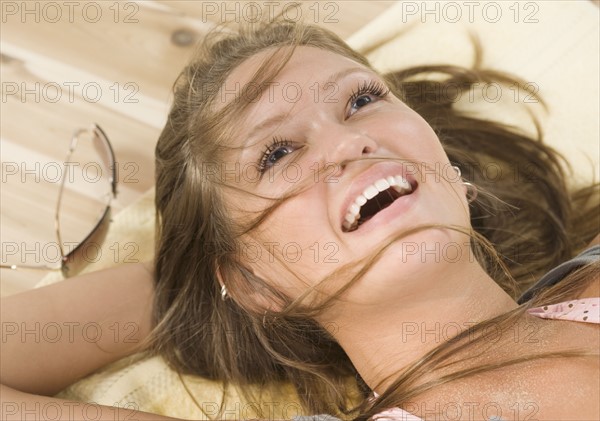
[[53, 336], [20, 406]]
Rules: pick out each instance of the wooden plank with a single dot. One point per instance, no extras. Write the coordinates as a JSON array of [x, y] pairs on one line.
[[108, 62], [342, 17], [137, 48]]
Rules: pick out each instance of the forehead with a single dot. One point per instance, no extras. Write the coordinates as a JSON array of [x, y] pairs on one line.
[[306, 64], [301, 83]]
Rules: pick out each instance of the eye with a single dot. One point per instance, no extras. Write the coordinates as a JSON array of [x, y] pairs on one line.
[[277, 149], [366, 93]]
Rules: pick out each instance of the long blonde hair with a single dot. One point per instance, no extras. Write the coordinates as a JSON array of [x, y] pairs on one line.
[[199, 333]]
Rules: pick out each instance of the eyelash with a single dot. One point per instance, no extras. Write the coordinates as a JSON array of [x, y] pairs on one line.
[[375, 88], [275, 144]]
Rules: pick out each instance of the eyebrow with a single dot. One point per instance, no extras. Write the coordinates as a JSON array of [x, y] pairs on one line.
[[281, 117]]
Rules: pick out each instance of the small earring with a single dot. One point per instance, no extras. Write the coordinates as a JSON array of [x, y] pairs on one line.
[[264, 319], [223, 292], [471, 191], [457, 169]]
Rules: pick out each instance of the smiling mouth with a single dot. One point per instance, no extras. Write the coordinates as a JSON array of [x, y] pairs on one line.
[[375, 198]]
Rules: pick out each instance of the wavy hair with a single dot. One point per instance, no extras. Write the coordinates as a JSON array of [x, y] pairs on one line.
[[519, 229]]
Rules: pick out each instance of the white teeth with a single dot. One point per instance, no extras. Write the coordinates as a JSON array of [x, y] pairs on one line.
[[398, 183], [360, 200], [370, 192], [402, 182], [382, 185]]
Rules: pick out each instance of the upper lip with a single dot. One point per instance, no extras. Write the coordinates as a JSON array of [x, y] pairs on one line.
[[370, 176]]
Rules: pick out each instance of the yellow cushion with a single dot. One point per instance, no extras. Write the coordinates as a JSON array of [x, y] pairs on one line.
[[554, 45]]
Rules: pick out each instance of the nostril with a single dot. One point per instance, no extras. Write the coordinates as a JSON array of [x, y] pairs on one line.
[[366, 150]]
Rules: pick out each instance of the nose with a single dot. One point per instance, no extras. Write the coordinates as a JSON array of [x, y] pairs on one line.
[[348, 145]]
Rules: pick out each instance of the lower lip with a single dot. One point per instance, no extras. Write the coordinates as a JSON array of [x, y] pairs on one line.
[[393, 211]]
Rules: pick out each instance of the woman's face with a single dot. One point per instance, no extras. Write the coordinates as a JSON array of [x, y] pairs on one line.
[[325, 111]]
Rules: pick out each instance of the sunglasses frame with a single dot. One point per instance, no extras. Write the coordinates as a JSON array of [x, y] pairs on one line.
[[70, 264]]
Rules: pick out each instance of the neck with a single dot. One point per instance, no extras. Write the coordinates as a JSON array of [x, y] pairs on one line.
[[382, 340]]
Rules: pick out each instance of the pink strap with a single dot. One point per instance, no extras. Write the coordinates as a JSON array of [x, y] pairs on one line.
[[396, 414], [585, 310]]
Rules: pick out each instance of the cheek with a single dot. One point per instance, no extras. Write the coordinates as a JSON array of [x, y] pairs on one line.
[[408, 134], [295, 243], [410, 137], [417, 142], [421, 137]]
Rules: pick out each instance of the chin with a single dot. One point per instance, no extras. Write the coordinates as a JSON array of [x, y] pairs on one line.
[[430, 250]]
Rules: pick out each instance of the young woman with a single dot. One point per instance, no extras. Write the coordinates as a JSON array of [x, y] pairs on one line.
[[326, 225]]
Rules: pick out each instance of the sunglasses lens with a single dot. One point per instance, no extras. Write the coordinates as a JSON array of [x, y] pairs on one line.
[[88, 251], [104, 152], [83, 212]]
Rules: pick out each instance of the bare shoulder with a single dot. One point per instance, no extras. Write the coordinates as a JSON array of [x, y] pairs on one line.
[[593, 288], [595, 241], [545, 389]]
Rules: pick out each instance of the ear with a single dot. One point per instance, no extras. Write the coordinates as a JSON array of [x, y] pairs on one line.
[[245, 292]]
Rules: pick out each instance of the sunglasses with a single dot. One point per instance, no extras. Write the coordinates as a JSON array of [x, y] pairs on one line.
[[73, 261]]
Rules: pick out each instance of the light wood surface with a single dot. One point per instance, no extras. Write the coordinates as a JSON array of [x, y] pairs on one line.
[[113, 63]]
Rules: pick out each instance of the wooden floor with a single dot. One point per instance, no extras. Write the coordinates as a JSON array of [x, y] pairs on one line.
[[113, 63]]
